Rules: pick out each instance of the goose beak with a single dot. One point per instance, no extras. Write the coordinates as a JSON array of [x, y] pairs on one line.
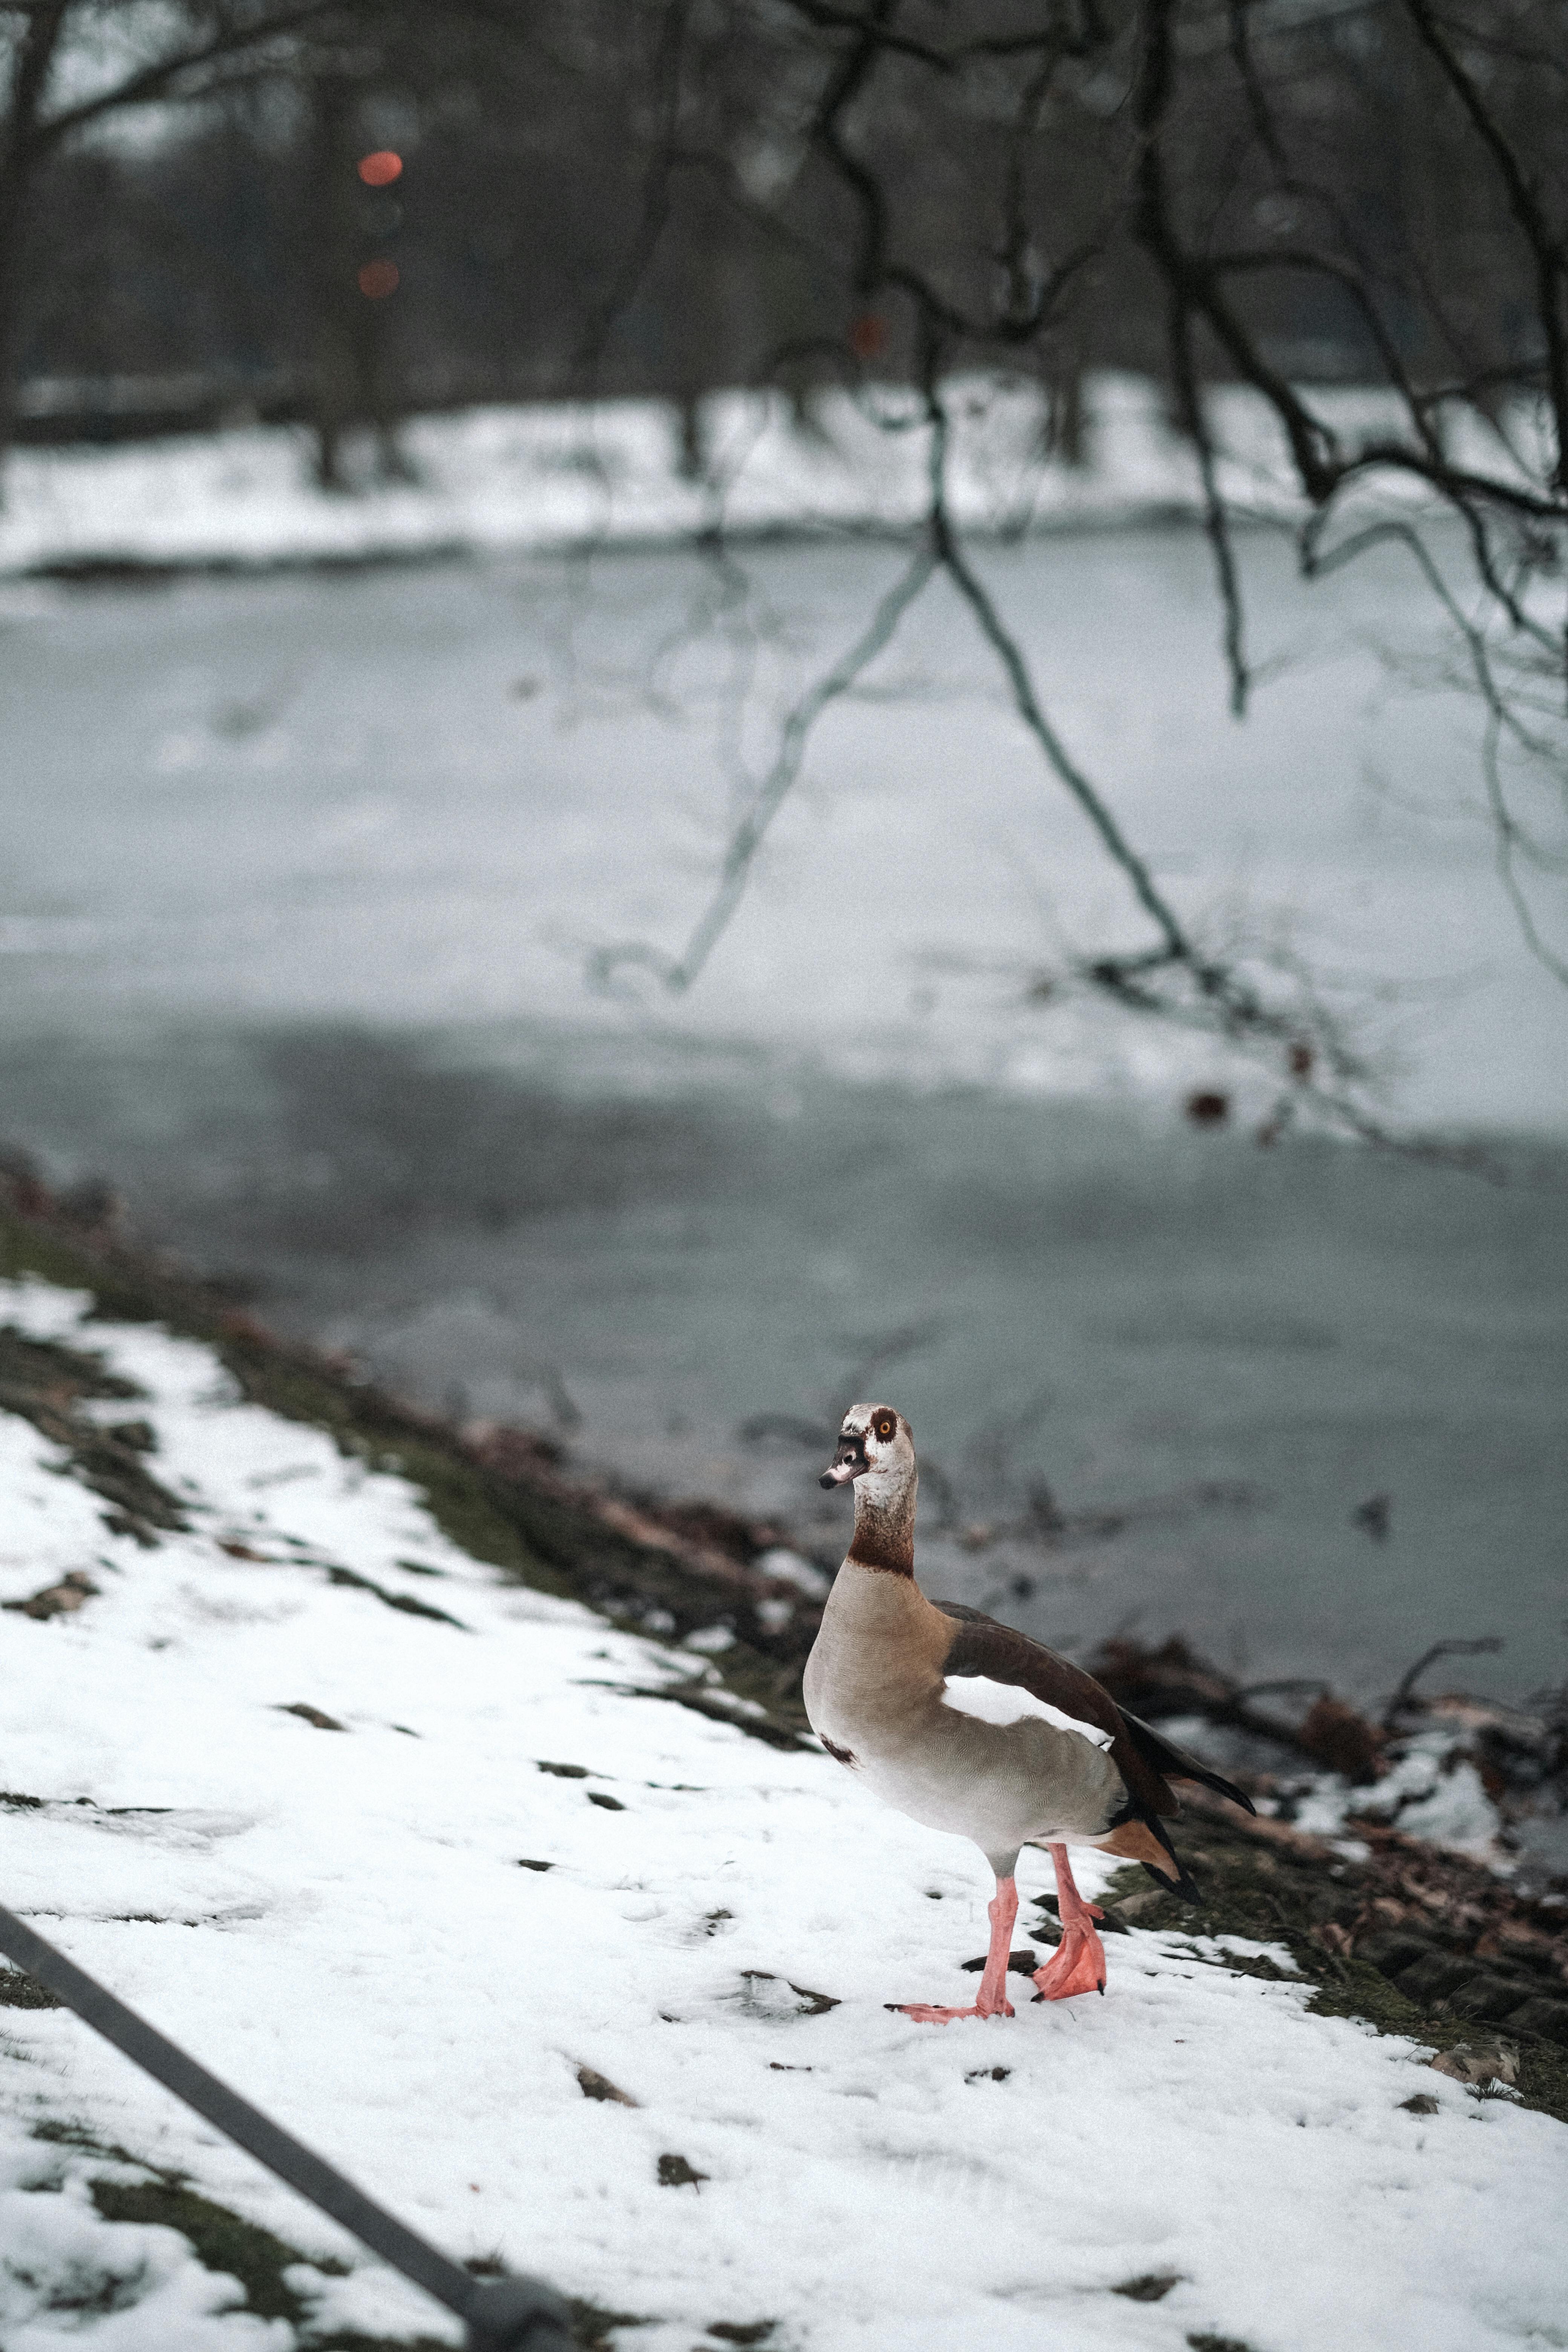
[[846, 1464]]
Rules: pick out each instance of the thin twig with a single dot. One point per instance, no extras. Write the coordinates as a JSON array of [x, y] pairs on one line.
[[678, 972]]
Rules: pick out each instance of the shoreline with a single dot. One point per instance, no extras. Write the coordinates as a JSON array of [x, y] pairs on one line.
[[279, 1798], [732, 1602], [570, 477]]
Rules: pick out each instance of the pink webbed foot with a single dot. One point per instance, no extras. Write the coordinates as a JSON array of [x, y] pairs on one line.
[[931, 2013], [991, 1998], [1077, 1964]]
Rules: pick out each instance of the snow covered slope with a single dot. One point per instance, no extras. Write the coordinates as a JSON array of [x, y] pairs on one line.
[[337, 1921]]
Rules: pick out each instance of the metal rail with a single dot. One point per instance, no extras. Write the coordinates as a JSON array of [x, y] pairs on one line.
[[507, 2315]]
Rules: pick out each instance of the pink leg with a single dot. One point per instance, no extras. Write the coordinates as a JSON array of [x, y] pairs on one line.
[[993, 1999], [1077, 1964]]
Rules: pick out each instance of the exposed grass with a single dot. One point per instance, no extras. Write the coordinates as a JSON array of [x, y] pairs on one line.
[[44, 1382], [228, 2244], [19, 1990], [220, 2239], [225, 2242]]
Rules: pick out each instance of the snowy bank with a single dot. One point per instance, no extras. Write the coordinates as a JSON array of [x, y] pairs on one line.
[[572, 474], [403, 1874]]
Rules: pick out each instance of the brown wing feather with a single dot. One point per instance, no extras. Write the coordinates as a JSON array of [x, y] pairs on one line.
[[980, 1646]]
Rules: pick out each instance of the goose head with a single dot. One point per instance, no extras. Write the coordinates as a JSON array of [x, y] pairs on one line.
[[876, 1451]]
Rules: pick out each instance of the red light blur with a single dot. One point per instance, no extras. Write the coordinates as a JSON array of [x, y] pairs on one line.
[[380, 170], [377, 279]]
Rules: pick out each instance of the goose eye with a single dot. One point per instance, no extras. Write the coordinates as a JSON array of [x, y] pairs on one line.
[[884, 1427]]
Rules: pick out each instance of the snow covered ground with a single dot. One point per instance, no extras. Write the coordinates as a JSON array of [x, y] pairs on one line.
[[567, 475], [338, 1923]]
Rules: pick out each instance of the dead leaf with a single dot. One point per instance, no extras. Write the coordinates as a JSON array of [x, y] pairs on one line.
[[56, 1599], [1151, 2288], [1481, 2062], [1335, 1735], [596, 2086]]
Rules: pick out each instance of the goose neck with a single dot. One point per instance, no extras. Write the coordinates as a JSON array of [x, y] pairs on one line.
[[884, 1536]]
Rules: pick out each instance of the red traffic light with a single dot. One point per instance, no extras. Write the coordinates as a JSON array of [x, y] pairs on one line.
[[380, 170]]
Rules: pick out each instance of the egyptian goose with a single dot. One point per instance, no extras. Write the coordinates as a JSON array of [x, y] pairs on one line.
[[969, 1726]]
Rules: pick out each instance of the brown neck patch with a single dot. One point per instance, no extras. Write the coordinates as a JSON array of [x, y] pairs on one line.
[[884, 1539]]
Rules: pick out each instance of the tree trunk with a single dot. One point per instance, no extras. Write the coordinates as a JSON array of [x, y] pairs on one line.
[[13, 194], [350, 376], [1065, 423], [330, 236], [20, 156]]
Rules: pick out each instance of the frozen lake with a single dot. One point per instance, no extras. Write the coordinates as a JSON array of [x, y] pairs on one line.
[[298, 881]]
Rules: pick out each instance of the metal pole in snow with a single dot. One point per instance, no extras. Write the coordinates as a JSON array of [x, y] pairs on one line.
[[509, 2314]]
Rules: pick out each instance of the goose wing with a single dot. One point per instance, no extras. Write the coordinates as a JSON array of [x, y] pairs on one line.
[[999, 1654]]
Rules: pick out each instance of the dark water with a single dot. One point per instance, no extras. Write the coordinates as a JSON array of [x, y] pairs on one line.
[[296, 878], [1201, 1358]]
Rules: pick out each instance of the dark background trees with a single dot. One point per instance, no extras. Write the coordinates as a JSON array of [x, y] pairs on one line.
[[668, 195]]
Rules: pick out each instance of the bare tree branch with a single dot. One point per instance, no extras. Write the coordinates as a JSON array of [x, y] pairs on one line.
[[1546, 247], [677, 973], [1210, 286], [155, 80]]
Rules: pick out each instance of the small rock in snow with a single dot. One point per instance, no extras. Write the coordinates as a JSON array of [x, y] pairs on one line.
[[313, 1715], [674, 2172]]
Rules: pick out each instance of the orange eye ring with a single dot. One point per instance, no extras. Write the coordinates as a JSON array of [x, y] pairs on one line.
[[886, 1425]]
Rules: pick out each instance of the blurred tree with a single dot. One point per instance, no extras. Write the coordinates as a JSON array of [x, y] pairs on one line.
[[68, 65]]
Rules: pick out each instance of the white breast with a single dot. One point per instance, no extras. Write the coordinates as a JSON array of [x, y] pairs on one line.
[[1005, 1703]]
